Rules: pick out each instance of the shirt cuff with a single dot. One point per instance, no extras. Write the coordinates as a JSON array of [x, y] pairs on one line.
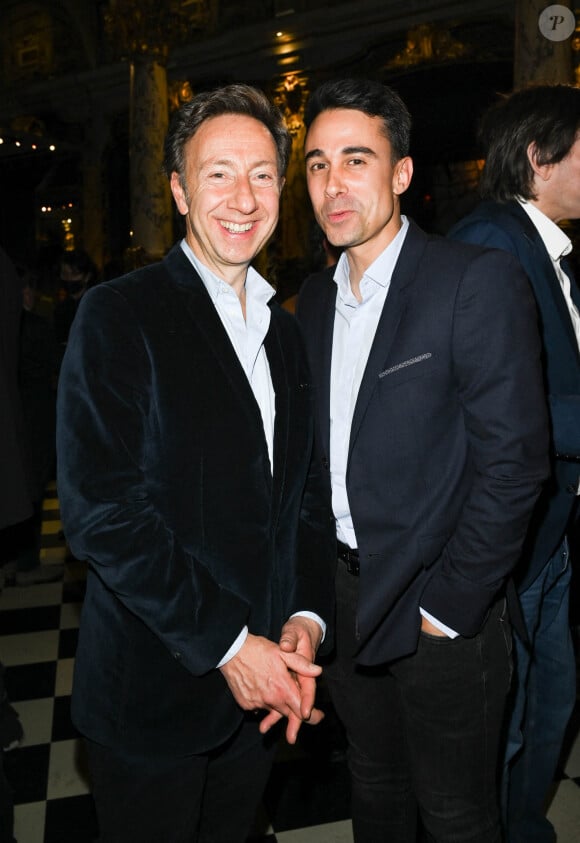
[[313, 617], [235, 648], [450, 633], [241, 638]]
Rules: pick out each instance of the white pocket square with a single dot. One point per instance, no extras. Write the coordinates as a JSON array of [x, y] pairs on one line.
[[405, 363]]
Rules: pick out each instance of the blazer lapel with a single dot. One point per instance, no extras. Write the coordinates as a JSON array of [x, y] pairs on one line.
[[279, 374], [395, 304], [328, 310], [209, 324], [547, 273], [566, 264]]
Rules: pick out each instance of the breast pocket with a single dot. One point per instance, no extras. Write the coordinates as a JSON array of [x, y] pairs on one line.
[[410, 368]]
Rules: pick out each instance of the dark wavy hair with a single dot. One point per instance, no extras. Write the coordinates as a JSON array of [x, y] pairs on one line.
[[231, 99], [545, 115], [372, 98]]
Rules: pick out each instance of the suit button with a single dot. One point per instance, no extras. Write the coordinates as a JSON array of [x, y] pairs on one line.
[[177, 655], [325, 463], [571, 489]]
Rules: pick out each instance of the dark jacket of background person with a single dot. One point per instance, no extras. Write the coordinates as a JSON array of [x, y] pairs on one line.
[[189, 535], [507, 226]]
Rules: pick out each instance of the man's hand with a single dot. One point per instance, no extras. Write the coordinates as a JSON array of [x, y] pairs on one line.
[[299, 641], [431, 629], [262, 676]]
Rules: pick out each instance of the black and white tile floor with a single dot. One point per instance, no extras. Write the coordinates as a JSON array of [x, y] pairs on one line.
[[307, 797]]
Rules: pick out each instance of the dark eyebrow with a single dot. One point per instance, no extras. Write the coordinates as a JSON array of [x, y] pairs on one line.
[[348, 150], [352, 150], [314, 153]]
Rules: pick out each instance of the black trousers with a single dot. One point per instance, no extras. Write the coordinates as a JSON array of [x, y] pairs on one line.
[[203, 798], [423, 732]]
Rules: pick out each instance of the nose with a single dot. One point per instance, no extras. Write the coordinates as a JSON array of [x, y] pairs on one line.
[[334, 184], [243, 198]]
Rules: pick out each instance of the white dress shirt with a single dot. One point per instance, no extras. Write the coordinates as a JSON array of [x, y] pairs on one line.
[[355, 326], [247, 337]]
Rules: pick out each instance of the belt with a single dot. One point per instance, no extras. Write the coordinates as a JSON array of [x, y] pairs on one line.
[[349, 556]]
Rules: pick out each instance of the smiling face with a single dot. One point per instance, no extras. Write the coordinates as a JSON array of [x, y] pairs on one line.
[[232, 193], [353, 183]]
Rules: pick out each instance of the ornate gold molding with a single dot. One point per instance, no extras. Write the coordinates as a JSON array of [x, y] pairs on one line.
[[179, 91], [428, 43], [290, 97], [151, 27]]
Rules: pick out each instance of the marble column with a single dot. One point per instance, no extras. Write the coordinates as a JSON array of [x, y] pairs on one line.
[[151, 219], [295, 214], [93, 192]]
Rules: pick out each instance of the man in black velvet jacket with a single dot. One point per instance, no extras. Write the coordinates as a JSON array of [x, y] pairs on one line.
[[185, 436]]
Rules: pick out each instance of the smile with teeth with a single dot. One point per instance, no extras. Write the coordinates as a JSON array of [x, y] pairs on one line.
[[237, 227]]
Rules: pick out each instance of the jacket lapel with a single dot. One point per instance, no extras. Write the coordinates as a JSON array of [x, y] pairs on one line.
[[553, 288], [208, 323], [279, 374], [327, 310], [567, 267], [395, 304]]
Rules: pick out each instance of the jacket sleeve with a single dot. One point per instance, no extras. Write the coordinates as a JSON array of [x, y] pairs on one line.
[[564, 408], [106, 434], [496, 355]]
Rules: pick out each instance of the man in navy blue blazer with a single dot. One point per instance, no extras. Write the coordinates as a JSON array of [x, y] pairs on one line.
[[431, 414], [531, 184]]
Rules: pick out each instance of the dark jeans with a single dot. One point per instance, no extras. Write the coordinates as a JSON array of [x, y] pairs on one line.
[[423, 732], [542, 700], [203, 798]]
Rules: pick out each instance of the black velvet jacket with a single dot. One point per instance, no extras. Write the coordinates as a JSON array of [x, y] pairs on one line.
[[166, 489]]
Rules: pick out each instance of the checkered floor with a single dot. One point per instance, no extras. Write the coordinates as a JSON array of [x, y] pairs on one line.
[[307, 796]]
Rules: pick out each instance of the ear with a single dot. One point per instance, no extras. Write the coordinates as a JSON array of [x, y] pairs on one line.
[[402, 175], [542, 171], [178, 193]]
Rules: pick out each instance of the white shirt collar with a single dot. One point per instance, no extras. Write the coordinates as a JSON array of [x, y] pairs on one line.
[[257, 288], [379, 272], [557, 243]]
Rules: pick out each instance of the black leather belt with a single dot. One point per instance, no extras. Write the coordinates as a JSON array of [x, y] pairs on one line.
[[350, 557]]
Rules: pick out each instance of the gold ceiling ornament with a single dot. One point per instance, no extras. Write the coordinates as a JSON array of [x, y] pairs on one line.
[[428, 43], [179, 91], [152, 27]]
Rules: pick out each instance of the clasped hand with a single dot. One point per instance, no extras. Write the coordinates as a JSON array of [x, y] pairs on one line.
[[278, 678]]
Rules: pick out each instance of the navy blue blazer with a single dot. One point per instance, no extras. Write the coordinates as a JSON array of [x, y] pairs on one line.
[[166, 489], [507, 226], [448, 445]]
